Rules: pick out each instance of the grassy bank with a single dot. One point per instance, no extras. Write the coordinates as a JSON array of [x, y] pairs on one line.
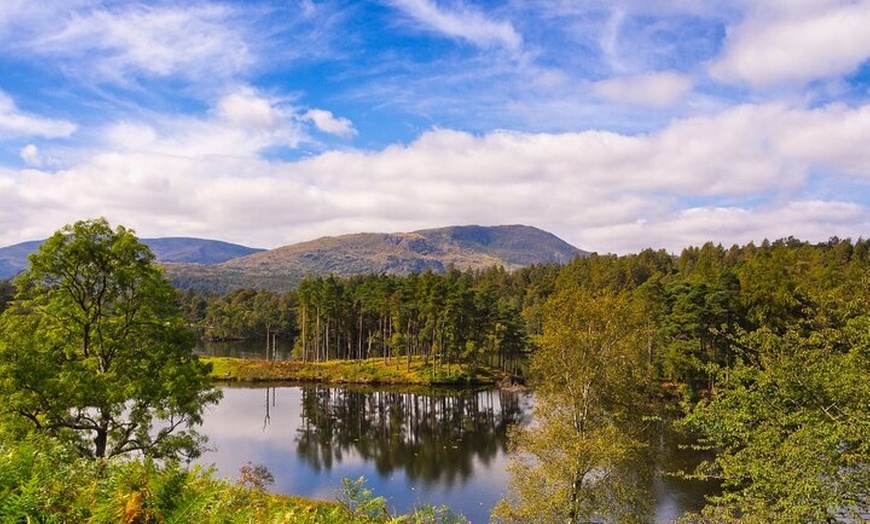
[[44, 482], [371, 371]]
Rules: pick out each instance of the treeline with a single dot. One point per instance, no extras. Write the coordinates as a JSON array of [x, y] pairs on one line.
[[770, 346], [697, 301], [461, 316]]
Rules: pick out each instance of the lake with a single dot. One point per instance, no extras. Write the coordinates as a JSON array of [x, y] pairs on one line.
[[431, 446], [249, 348]]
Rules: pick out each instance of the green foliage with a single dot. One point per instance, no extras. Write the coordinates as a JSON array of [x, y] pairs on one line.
[[791, 426], [43, 481], [459, 317], [361, 502], [94, 352], [256, 476], [370, 371], [590, 375], [364, 506], [245, 313], [7, 292], [773, 337]]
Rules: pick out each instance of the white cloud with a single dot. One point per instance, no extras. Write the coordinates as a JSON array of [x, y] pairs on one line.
[[599, 190], [247, 108], [785, 42], [120, 41], [242, 124], [329, 123], [814, 221], [30, 155], [17, 123], [464, 23], [832, 137], [660, 89]]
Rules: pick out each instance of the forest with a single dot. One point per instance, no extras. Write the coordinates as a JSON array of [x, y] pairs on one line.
[[697, 302], [761, 352]]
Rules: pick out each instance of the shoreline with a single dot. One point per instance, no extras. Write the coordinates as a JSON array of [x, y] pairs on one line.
[[373, 371]]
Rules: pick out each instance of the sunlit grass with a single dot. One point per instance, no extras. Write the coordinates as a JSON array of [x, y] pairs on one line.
[[42, 481], [369, 371]]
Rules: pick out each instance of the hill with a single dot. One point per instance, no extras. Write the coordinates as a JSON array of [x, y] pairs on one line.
[[13, 259], [196, 250], [463, 247]]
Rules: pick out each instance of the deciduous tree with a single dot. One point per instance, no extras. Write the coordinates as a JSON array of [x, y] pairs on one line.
[[574, 463], [791, 426], [93, 350]]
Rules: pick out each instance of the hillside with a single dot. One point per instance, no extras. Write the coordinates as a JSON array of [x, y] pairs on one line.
[[196, 250], [13, 259], [463, 247]]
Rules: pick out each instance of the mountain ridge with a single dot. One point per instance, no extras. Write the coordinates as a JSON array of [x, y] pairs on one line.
[[437, 249], [13, 259], [221, 266]]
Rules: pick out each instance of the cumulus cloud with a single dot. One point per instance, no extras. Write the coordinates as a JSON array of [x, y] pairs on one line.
[[464, 23], [248, 108], [30, 155], [782, 42], [659, 89], [599, 190], [243, 123], [808, 220], [17, 123], [329, 123]]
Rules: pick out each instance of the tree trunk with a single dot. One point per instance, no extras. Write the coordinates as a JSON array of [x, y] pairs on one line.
[[102, 437]]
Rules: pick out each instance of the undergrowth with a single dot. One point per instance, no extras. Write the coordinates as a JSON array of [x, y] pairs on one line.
[[41, 481]]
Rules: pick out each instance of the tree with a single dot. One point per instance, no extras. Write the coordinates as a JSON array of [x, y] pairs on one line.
[[791, 426], [575, 462], [94, 351], [7, 291]]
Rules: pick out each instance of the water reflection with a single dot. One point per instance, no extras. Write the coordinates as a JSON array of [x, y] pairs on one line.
[[438, 447], [432, 437], [414, 447], [674, 494], [280, 348]]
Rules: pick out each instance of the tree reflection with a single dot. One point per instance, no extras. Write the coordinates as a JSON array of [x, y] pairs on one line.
[[432, 437]]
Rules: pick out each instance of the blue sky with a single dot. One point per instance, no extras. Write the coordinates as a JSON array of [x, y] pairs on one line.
[[617, 125]]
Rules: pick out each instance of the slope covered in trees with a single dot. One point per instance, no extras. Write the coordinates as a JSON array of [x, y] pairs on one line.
[[764, 347], [698, 302]]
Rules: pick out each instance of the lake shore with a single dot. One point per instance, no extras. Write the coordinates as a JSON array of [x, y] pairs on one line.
[[374, 371]]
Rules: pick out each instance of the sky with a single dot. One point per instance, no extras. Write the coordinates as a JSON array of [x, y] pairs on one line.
[[618, 125]]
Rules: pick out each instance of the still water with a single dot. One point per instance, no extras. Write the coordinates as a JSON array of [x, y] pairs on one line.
[[438, 447], [279, 348]]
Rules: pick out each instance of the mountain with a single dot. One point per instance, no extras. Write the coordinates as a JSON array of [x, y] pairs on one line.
[[463, 247], [196, 250], [13, 259]]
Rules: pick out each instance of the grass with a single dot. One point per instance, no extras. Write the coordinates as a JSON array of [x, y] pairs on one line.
[[370, 371], [42, 481]]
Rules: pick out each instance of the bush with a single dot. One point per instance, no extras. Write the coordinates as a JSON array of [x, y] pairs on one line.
[[43, 481]]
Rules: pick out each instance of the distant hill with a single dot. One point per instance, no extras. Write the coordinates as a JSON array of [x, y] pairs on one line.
[[196, 250], [463, 247], [13, 259]]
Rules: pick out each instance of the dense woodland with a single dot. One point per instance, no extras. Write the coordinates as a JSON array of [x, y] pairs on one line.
[[697, 302], [762, 352]]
